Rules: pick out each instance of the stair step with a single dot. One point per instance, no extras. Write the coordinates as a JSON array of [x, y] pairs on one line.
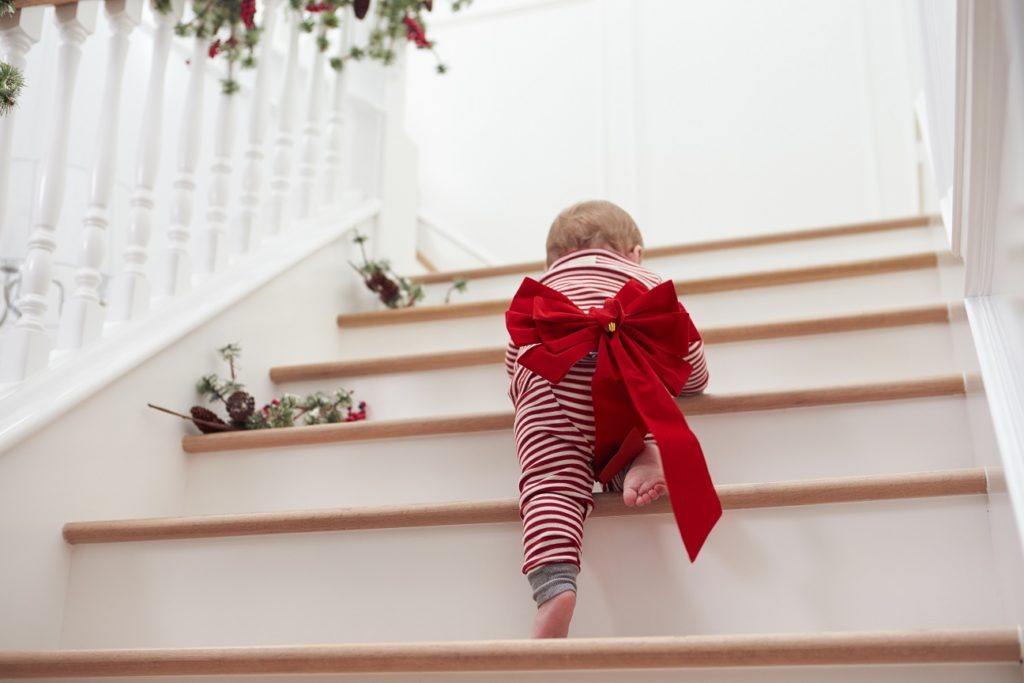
[[733, 496], [920, 315], [771, 278], [704, 404], [698, 247], [790, 649]]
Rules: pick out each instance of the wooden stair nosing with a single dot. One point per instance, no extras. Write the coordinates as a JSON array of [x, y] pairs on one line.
[[733, 496], [836, 648], [771, 278], [704, 404], [698, 247], [937, 313]]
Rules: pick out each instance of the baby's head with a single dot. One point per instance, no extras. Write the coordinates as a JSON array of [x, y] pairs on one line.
[[595, 224]]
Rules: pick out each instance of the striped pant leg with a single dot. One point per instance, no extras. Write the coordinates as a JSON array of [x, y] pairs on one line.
[[556, 484]]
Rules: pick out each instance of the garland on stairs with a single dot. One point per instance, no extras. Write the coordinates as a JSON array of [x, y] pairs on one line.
[[316, 408], [6, 7]]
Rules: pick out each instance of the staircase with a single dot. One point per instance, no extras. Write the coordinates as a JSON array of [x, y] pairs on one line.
[[856, 531]]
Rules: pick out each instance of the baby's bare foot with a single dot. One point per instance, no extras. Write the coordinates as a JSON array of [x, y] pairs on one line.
[[553, 617], [645, 479]]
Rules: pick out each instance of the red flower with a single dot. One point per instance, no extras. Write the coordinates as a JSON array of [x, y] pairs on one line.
[[214, 48], [247, 13], [414, 32], [319, 7]]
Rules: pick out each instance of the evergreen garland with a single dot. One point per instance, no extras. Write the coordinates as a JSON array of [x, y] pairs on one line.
[[237, 18], [6, 7], [11, 83], [316, 408]]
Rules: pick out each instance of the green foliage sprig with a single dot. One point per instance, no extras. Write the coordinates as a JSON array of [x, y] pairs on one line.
[[230, 26], [11, 83], [316, 408], [7, 7], [393, 290]]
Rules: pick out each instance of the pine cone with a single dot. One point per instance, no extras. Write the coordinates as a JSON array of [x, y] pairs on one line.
[[386, 288], [240, 407], [207, 416]]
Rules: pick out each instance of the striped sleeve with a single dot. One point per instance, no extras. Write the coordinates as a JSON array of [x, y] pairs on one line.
[[698, 380], [511, 354]]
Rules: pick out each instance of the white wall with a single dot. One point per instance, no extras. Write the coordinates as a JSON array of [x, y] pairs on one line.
[[703, 119], [112, 457]]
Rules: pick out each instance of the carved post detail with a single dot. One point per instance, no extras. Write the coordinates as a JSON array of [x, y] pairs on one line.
[[130, 290], [27, 347], [82, 320]]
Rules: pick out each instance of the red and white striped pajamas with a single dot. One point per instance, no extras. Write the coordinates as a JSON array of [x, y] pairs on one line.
[[554, 423]]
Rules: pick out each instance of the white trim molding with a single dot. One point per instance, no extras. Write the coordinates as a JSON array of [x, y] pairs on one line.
[[998, 346]]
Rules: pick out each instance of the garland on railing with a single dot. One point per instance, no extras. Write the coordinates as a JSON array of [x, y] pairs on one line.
[[317, 408], [11, 83], [6, 7], [237, 43], [395, 19]]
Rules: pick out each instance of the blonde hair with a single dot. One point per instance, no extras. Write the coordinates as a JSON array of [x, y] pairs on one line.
[[595, 224]]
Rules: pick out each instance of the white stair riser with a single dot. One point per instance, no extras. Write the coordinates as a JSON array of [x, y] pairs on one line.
[[843, 440], [730, 261], [883, 355], [921, 673], [897, 565], [764, 304]]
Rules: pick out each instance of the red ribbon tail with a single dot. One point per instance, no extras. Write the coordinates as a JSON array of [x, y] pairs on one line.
[[695, 502]]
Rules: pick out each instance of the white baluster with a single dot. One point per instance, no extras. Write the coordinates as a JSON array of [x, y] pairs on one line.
[[252, 179], [220, 186], [82, 320], [399, 192], [129, 292], [282, 166], [18, 32], [334, 184], [311, 135], [27, 346], [175, 268]]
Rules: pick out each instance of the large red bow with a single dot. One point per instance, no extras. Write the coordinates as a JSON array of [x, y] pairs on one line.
[[640, 336]]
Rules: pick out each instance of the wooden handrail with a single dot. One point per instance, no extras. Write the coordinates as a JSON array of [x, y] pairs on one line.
[[662, 652], [937, 313], [705, 404], [733, 496], [698, 247], [771, 278], [36, 3]]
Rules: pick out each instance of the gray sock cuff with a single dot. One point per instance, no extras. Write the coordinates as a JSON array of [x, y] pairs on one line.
[[549, 580]]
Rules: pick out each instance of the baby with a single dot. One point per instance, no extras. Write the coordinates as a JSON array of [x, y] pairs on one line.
[[593, 249]]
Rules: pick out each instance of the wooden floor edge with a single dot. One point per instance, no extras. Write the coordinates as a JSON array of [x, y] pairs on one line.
[[704, 404], [444, 360], [843, 230], [798, 493], [706, 285], [669, 652]]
